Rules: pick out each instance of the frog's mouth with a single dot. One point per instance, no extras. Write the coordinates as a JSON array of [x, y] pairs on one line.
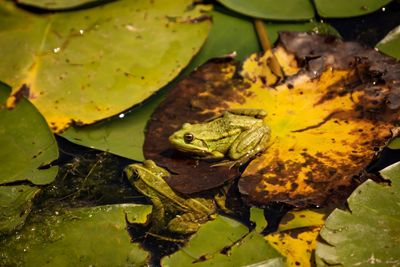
[[191, 149]]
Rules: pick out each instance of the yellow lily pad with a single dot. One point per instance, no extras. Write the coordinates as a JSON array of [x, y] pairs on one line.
[[296, 246], [329, 118], [86, 65]]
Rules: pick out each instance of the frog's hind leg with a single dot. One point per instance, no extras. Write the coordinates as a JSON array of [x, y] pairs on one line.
[[186, 223]]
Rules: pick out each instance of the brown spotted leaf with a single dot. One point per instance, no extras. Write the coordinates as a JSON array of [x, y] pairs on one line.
[[329, 119]]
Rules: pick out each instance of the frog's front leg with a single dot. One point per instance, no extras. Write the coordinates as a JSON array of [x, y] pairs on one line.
[[249, 143], [187, 223]]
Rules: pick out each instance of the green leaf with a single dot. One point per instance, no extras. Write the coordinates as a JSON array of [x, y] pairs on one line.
[[272, 10], [26, 143], [56, 4], [77, 237], [347, 8], [394, 144], [87, 65], [390, 45], [15, 205], [231, 245], [123, 136], [368, 233]]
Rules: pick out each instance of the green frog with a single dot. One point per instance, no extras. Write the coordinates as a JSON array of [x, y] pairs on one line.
[[236, 134], [171, 211]]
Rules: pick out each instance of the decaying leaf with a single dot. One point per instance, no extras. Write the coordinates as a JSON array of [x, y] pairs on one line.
[[86, 65], [297, 246], [329, 118]]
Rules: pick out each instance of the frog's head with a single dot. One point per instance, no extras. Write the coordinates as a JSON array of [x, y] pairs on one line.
[[147, 172], [193, 139]]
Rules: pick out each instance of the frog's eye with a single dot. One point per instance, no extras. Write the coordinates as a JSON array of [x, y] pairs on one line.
[[188, 137]]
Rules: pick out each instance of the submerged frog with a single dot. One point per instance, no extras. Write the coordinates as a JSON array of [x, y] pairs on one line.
[[237, 134], [178, 214]]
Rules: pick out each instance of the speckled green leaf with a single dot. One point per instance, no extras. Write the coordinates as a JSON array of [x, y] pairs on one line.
[[56, 4], [390, 45], [87, 65], [270, 9], [368, 233], [15, 205], [228, 34], [123, 135], [347, 8], [77, 237], [231, 245], [26, 143]]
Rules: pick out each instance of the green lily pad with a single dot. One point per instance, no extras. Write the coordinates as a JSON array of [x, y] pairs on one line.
[[394, 144], [56, 4], [347, 8], [272, 10], [231, 245], [77, 237], [123, 136], [87, 65], [368, 233], [26, 143], [15, 205], [228, 34], [390, 45]]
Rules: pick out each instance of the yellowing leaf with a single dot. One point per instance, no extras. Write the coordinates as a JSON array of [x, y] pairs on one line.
[[86, 65], [297, 247], [329, 118], [301, 218]]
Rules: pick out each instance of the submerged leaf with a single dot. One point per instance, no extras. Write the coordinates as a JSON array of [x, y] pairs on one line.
[[231, 245], [273, 10], [347, 8], [87, 65], [368, 233], [26, 142], [390, 45], [15, 205], [77, 237]]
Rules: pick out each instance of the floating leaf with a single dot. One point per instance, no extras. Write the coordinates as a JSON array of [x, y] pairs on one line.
[[15, 205], [296, 236], [347, 8], [56, 4], [26, 143], [270, 9], [257, 217], [394, 144], [368, 233], [296, 246], [312, 158], [123, 136], [77, 237], [301, 218], [183, 104], [390, 45], [87, 65], [231, 245]]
